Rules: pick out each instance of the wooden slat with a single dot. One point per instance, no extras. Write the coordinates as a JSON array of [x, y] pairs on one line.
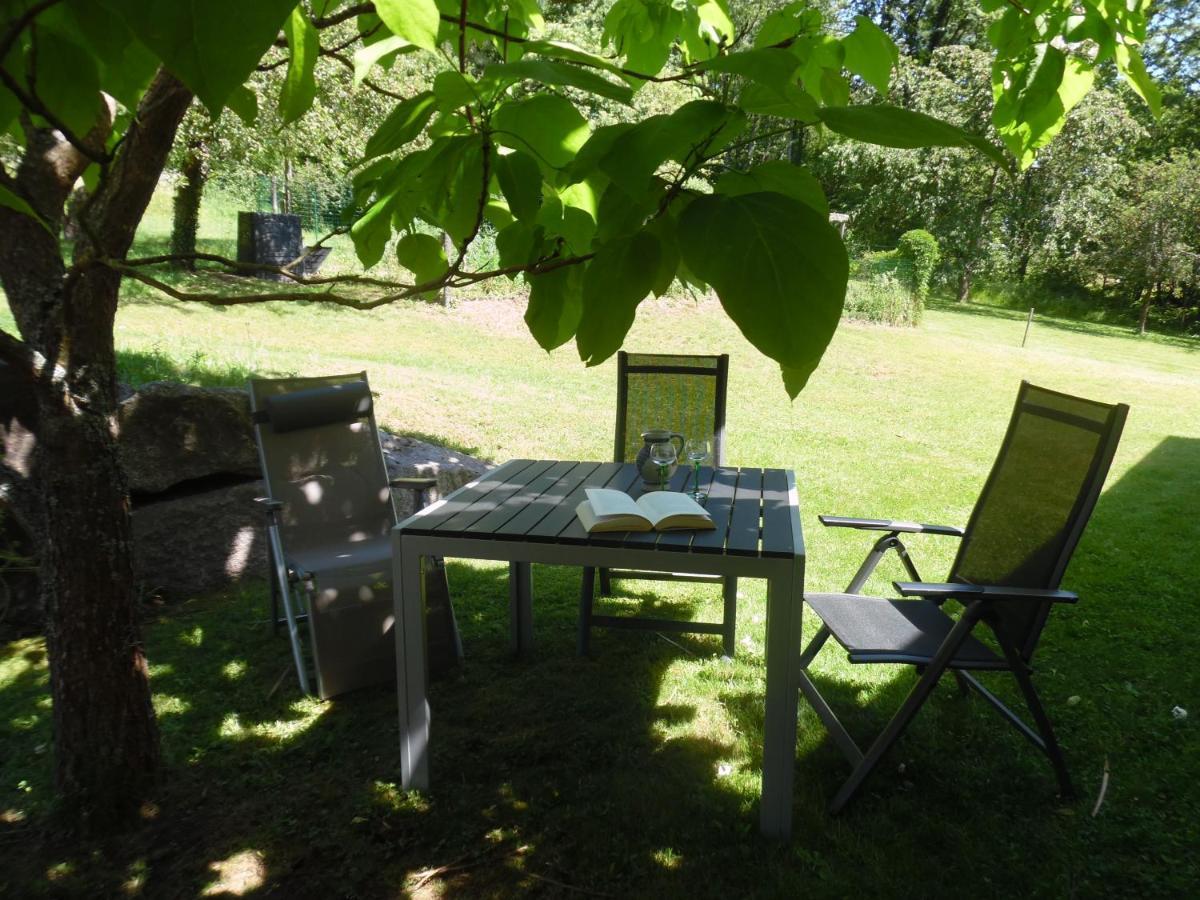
[[460, 525], [548, 528], [682, 540], [518, 525], [720, 506], [776, 515], [427, 520], [743, 524], [572, 529], [520, 500]]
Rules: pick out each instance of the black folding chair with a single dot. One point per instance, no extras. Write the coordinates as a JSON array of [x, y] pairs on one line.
[[683, 394], [1014, 551]]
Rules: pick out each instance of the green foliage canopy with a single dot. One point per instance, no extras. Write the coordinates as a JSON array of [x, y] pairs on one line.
[[596, 220]]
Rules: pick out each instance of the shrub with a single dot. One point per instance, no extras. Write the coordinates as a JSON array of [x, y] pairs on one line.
[[919, 249], [881, 298]]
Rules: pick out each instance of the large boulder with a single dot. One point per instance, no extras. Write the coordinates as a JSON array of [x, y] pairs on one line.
[[190, 543], [409, 458], [193, 469], [171, 433]]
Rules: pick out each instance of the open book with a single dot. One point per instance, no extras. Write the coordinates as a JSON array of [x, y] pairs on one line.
[[608, 510]]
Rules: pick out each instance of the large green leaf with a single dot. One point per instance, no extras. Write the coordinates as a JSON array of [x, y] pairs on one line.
[[12, 201], [568, 51], [68, 81], [423, 255], [892, 126], [786, 23], [126, 65], [546, 125], [636, 154], [779, 269], [555, 305], [870, 54], [403, 124], [618, 278], [379, 52], [546, 71], [299, 85], [213, 46], [521, 182], [778, 176], [414, 20]]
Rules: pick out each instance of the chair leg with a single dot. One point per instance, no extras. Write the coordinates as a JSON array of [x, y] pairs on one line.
[[728, 635], [605, 583], [274, 591], [915, 700], [1021, 671], [587, 593]]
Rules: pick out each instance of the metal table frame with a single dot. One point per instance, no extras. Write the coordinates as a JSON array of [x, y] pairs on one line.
[[785, 588]]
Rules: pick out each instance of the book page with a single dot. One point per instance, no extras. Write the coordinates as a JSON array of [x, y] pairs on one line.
[[606, 502], [660, 505]]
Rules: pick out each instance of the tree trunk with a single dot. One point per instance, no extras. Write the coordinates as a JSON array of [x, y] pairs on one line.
[[186, 208], [106, 739], [964, 283], [985, 208], [1147, 296], [69, 477]]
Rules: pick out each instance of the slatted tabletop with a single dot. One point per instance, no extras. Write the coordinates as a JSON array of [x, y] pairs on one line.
[[535, 500]]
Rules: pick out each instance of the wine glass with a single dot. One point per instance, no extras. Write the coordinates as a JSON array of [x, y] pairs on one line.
[[664, 456], [696, 450]]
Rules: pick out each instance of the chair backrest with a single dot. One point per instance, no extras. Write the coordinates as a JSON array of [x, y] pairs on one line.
[[1037, 500], [320, 454], [681, 393]]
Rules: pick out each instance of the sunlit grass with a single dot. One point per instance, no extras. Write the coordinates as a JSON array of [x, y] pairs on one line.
[[636, 772]]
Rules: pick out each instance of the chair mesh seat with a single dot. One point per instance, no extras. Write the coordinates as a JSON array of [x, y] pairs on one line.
[[876, 630]]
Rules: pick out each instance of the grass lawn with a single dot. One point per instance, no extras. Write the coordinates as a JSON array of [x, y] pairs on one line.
[[636, 772]]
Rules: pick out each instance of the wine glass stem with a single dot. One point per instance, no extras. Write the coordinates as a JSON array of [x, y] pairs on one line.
[[696, 485]]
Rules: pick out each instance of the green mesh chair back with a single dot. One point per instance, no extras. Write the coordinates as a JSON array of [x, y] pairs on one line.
[[1037, 500], [685, 394]]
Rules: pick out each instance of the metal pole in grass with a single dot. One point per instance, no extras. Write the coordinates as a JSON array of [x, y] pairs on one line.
[[1028, 322]]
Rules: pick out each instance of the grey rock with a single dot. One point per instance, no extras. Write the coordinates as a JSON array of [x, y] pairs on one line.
[[409, 458], [189, 544], [171, 433]]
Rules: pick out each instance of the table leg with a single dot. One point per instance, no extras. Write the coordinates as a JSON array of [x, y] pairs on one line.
[[410, 666], [785, 597], [520, 607]]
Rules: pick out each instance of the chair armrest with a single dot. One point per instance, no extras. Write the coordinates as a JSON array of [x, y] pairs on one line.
[[944, 591], [413, 484], [267, 505], [889, 525]]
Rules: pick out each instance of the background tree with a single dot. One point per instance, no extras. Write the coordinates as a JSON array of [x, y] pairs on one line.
[[596, 220]]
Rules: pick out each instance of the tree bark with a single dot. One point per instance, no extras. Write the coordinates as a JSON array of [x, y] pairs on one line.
[[106, 739], [186, 206]]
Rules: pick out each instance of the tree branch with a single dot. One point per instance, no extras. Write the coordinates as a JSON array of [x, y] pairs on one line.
[[21, 23], [343, 15], [249, 268]]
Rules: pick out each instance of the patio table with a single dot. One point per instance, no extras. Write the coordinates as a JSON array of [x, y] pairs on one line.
[[523, 512]]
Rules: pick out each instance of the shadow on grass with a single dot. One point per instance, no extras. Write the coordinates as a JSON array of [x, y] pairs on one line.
[[1072, 326], [547, 772], [563, 775]]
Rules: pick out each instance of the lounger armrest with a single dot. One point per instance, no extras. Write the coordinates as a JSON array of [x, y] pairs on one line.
[[944, 591], [413, 484], [889, 525], [267, 505]]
